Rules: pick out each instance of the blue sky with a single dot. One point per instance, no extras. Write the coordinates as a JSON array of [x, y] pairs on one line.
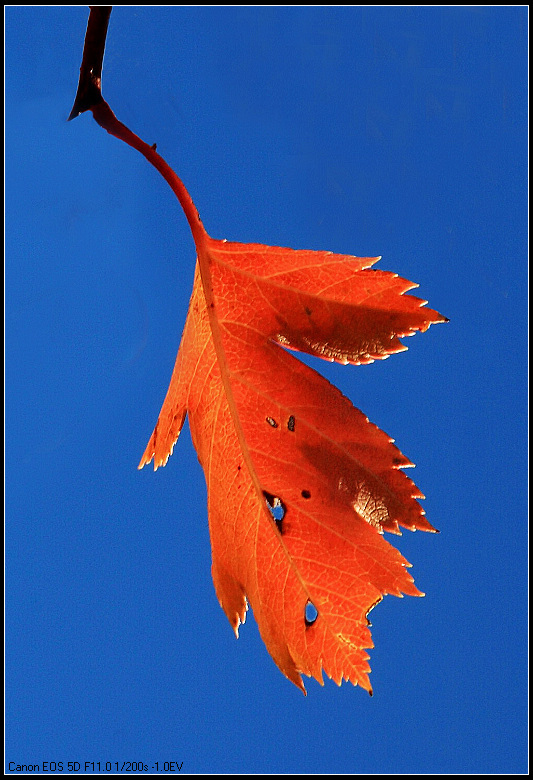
[[393, 131]]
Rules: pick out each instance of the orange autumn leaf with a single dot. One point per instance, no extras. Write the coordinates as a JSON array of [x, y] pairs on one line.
[[300, 485], [271, 432]]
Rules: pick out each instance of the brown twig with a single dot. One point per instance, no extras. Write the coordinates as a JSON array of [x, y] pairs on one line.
[[90, 84]]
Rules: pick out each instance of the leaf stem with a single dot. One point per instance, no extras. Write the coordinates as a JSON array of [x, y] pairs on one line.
[[89, 98], [107, 119]]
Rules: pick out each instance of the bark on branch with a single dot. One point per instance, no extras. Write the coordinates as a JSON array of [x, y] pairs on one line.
[[90, 84]]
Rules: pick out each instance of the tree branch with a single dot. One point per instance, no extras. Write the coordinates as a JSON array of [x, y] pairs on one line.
[[90, 84]]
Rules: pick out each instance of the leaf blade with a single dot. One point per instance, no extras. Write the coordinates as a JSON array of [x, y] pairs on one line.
[[257, 420]]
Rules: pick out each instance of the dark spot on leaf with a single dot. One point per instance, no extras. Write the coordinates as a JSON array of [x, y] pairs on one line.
[[276, 508], [396, 461], [291, 424], [239, 468], [311, 613], [306, 494], [308, 311], [272, 422]]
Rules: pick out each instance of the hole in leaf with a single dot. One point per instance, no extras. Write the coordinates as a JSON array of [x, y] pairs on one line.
[[276, 508], [306, 494], [311, 613], [272, 422], [291, 424]]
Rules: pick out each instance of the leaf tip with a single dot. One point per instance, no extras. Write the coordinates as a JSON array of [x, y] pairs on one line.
[[296, 678], [146, 459]]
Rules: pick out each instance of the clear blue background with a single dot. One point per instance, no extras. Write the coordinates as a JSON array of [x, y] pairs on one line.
[[393, 131]]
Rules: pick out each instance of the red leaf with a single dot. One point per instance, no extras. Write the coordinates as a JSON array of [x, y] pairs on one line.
[[300, 485], [270, 430]]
